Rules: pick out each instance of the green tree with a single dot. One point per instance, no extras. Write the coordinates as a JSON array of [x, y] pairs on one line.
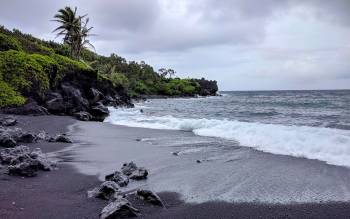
[[74, 29], [163, 72]]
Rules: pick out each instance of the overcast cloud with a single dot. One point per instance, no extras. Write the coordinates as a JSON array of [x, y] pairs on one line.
[[243, 44]]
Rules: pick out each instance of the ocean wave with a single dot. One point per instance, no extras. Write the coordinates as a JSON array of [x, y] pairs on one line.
[[325, 144]]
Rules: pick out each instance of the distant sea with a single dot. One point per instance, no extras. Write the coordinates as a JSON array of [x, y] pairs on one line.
[[310, 124]]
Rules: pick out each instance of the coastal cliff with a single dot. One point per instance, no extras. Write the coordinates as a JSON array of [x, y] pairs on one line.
[[40, 77]]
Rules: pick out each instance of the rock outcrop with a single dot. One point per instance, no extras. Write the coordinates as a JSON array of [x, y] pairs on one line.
[[27, 137], [30, 108], [112, 190], [107, 190], [149, 197], [23, 162], [207, 87], [77, 94], [10, 137], [8, 121], [118, 178], [99, 112], [134, 172], [83, 116], [7, 141], [119, 208], [60, 138], [139, 174]]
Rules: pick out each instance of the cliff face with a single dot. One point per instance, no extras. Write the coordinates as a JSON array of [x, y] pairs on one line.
[[40, 77], [77, 94], [207, 87]]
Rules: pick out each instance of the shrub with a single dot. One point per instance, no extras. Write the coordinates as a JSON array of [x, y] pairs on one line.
[[119, 79], [65, 66], [35, 73], [8, 43], [175, 87], [22, 72], [9, 97], [141, 88]]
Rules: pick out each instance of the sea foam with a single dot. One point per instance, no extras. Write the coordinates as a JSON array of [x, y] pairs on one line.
[[325, 144]]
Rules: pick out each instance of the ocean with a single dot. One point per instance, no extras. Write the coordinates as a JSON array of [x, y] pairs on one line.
[[264, 146], [309, 124]]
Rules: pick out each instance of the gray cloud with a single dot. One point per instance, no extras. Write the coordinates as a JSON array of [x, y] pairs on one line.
[[244, 44]]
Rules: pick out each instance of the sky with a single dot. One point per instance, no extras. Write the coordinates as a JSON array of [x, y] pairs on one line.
[[243, 44]]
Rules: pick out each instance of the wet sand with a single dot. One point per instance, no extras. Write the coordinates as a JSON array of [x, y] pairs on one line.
[[62, 193], [226, 172]]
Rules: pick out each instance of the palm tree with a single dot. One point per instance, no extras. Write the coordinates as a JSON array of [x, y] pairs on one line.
[[69, 22], [108, 69], [74, 30], [81, 36]]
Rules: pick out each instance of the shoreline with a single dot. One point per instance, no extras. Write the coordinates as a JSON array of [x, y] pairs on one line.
[[62, 193]]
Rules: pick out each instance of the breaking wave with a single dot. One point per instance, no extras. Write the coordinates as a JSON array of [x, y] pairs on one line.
[[325, 144]]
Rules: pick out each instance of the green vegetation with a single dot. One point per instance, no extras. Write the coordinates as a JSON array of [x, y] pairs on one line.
[[33, 74], [9, 97], [7, 43], [30, 66], [178, 87], [23, 72]]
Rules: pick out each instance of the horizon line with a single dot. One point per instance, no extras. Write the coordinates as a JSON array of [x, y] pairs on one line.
[[335, 89]]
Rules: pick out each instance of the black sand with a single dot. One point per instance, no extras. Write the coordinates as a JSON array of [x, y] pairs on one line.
[[56, 194], [62, 193]]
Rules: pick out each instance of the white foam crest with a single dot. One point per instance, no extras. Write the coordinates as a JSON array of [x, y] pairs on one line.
[[325, 144]]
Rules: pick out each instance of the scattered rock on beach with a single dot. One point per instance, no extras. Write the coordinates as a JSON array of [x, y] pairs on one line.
[[119, 208], [129, 168], [118, 177], [139, 174], [9, 154], [30, 108], [8, 121], [42, 135], [25, 168], [107, 190], [150, 197], [198, 161], [7, 141], [43, 163], [83, 116], [99, 112], [21, 161], [27, 138], [134, 172], [175, 153], [15, 133], [18, 135], [60, 138]]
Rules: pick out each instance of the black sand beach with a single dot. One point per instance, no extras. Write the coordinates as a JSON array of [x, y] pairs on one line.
[[56, 194], [62, 193]]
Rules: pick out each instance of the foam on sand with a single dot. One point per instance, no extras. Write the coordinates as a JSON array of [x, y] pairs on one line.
[[325, 144]]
